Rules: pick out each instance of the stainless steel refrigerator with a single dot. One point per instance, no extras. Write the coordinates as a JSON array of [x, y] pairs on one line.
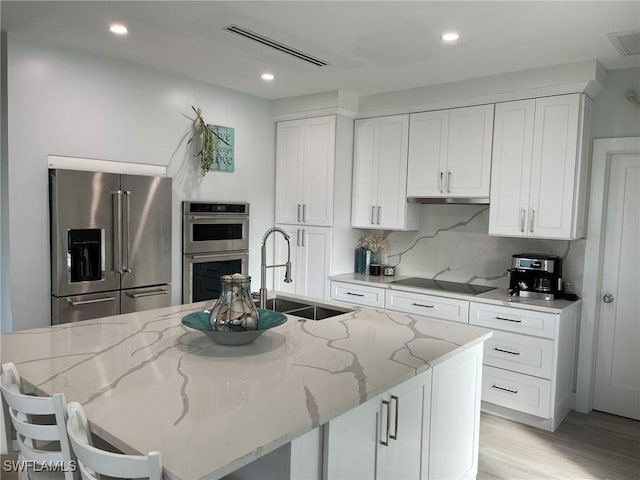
[[110, 244]]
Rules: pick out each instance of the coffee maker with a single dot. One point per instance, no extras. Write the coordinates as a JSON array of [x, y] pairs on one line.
[[535, 275]]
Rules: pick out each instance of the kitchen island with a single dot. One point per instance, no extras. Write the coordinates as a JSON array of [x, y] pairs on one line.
[[149, 383]]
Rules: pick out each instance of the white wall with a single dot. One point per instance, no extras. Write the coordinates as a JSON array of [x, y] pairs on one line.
[[65, 102], [613, 115]]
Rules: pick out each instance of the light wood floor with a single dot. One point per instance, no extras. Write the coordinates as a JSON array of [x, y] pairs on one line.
[[593, 446]]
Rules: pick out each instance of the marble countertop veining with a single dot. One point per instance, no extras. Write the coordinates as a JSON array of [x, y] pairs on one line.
[[498, 296], [149, 383]]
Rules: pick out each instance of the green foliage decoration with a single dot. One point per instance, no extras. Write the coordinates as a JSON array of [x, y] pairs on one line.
[[204, 140]]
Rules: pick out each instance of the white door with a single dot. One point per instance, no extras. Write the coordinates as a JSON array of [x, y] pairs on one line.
[[317, 185], [469, 151], [617, 375], [365, 173], [290, 152], [427, 153], [511, 167], [391, 207]]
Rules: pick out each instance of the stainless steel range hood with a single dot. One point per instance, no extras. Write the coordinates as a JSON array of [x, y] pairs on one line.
[[450, 200]]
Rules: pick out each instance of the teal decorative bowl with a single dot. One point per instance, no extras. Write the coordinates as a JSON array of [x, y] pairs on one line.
[[266, 319]]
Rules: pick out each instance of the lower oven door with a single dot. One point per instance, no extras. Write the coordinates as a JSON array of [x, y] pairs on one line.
[[201, 273]]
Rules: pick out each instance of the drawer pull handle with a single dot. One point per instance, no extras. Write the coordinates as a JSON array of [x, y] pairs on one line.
[[509, 319], [422, 305], [511, 352], [355, 294], [504, 389]]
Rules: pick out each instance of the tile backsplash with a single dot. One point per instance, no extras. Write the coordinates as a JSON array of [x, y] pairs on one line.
[[453, 244]]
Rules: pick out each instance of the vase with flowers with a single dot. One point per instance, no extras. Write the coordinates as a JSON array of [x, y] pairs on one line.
[[377, 243]]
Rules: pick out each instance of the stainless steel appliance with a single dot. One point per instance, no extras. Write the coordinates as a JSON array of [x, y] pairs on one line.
[[215, 242], [444, 286], [535, 275], [110, 244]]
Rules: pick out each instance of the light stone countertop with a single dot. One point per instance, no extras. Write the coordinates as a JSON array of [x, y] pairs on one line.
[[149, 383], [498, 296]]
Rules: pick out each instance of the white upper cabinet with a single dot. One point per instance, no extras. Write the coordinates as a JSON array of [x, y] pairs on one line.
[[380, 175], [305, 171], [539, 173], [450, 153]]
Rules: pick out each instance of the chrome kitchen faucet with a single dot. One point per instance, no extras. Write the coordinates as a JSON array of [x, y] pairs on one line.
[[264, 266]]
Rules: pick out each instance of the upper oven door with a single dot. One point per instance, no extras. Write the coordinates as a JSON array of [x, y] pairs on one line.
[[204, 233]]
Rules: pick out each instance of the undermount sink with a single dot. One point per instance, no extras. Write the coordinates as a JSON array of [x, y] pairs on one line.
[[310, 311]]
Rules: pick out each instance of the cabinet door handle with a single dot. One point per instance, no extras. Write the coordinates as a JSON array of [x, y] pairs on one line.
[[298, 237], [441, 182], [379, 213], [448, 182], [510, 352], [298, 215], [373, 212], [504, 389], [304, 213], [522, 213], [385, 403], [395, 428], [303, 232], [509, 319], [531, 215], [422, 305]]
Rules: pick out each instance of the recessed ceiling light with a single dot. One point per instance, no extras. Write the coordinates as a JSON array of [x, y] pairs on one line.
[[450, 36], [268, 76], [118, 29]]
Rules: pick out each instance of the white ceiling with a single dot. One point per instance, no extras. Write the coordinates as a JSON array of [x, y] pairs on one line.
[[372, 47]]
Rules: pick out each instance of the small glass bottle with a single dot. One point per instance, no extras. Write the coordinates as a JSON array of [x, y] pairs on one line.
[[234, 311]]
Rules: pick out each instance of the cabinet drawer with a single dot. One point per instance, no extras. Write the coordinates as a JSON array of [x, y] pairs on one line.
[[520, 353], [428, 305], [516, 391], [359, 294], [512, 319]]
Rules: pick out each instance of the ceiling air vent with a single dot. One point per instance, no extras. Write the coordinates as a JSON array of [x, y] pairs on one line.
[[281, 47], [627, 43]]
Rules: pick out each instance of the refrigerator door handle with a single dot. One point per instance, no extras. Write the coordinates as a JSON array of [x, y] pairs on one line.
[[117, 234], [74, 303], [125, 232], [148, 294]]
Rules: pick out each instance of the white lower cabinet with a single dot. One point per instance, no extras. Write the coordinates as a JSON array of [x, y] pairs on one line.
[[432, 306], [358, 294], [310, 260], [425, 428], [528, 363]]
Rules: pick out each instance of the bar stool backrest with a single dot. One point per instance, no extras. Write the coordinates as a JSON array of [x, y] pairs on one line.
[[93, 461], [34, 440]]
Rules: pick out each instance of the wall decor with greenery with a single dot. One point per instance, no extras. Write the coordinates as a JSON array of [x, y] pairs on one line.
[[213, 145]]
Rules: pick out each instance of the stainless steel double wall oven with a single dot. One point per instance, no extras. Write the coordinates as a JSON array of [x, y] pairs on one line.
[[215, 242], [110, 244]]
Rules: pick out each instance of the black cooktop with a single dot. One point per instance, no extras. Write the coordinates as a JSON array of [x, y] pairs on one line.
[[441, 285]]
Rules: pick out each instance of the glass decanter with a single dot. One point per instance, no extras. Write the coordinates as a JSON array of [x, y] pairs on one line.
[[234, 311]]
